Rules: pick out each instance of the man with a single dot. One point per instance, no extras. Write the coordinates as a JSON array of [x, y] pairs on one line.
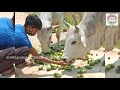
[[7, 43], [23, 45]]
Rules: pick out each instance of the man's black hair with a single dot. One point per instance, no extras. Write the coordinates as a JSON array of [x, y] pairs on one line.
[[34, 21]]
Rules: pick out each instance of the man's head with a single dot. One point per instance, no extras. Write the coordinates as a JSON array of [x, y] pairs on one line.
[[32, 24]]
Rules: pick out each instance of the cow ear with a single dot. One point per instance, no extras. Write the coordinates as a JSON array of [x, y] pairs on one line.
[[83, 40]]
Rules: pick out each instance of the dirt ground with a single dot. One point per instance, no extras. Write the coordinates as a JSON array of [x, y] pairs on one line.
[[114, 59], [98, 71]]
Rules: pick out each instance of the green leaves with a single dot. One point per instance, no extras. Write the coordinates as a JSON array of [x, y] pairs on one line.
[[80, 76], [109, 67], [57, 74], [81, 70], [54, 66], [40, 67]]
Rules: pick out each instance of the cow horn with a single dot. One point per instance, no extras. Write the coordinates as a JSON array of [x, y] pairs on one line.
[[67, 24], [75, 18]]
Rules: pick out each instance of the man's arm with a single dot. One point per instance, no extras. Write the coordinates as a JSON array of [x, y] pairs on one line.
[[43, 59]]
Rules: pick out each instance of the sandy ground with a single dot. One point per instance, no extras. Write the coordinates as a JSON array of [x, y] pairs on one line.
[[98, 71], [114, 59]]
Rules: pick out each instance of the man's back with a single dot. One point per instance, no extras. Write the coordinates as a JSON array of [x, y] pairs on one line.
[[21, 38], [7, 33]]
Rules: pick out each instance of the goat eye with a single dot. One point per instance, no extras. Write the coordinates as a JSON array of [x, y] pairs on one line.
[[74, 42]]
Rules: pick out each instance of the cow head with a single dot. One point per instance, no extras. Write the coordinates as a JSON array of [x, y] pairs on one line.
[[44, 36], [75, 43]]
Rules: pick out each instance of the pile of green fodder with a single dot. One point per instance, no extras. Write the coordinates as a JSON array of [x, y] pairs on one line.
[[53, 54]]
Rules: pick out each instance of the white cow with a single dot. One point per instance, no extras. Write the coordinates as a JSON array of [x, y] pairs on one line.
[[51, 20], [89, 34], [86, 36]]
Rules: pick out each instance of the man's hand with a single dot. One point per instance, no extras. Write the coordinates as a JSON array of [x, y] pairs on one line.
[[61, 63], [44, 59]]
